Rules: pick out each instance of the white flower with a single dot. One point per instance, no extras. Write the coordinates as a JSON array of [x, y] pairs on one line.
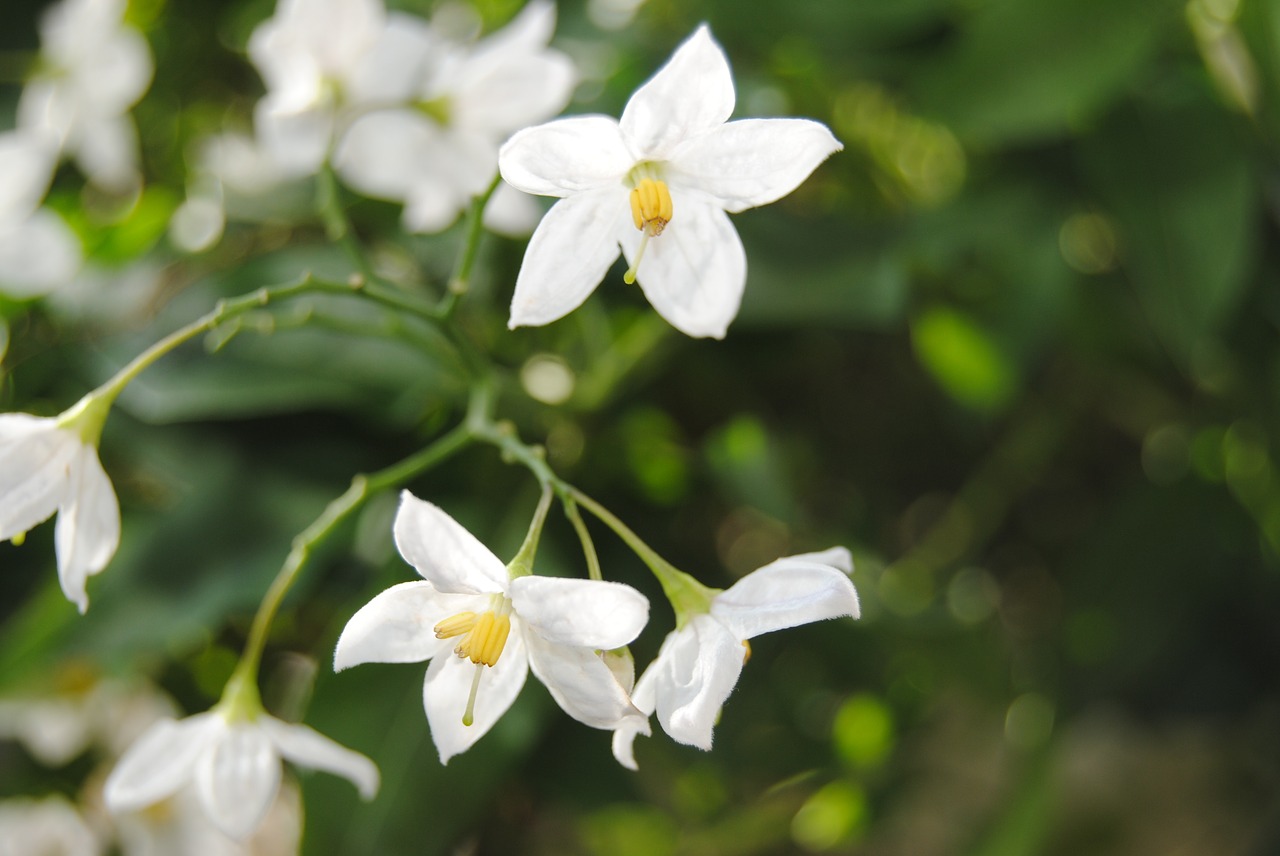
[[49, 827], [94, 68], [38, 252], [51, 465], [438, 147], [699, 663], [234, 763], [658, 182], [499, 627], [178, 826], [309, 54]]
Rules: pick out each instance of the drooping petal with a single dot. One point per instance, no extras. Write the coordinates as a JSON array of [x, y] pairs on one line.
[[34, 458], [698, 667], [307, 747], [443, 552], [237, 778], [693, 273], [624, 736], [582, 684], [448, 685], [568, 255], [397, 626], [753, 161], [566, 156], [788, 592], [689, 96], [88, 529], [586, 613], [160, 762]]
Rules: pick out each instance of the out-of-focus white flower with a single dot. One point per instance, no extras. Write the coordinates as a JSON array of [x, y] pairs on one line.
[[48, 827], [309, 53], [178, 826], [234, 763], [699, 662], [38, 252], [48, 465], [438, 147], [498, 627], [93, 69], [661, 180]]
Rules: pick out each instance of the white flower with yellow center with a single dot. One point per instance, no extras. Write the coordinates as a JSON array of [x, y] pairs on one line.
[[483, 630], [659, 183], [700, 662]]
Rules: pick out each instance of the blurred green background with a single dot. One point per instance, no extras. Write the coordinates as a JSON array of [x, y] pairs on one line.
[[1016, 347]]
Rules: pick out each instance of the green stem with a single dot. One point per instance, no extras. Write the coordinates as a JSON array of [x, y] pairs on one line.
[[460, 282], [362, 488], [584, 536], [522, 564]]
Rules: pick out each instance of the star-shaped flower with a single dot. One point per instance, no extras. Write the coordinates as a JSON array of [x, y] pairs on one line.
[[234, 763], [484, 630], [436, 147], [50, 464], [659, 183], [699, 662]]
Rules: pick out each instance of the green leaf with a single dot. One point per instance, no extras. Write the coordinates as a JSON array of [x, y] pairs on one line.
[[964, 360]]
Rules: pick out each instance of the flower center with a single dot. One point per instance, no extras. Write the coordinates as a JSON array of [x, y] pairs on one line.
[[482, 638], [651, 212]]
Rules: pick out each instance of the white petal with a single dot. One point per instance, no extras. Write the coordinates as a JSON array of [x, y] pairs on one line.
[[237, 778], [26, 166], [698, 667], [383, 154], [35, 458], [397, 626], [582, 684], [788, 592], [511, 213], [695, 271], [448, 685], [38, 255], [444, 553], [624, 736], [527, 31], [503, 93], [392, 71], [307, 747], [198, 223], [116, 75], [107, 152], [297, 139], [569, 253], [566, 156], [752, 162], [160, 762], [88, 528], [587, 613], [690, 95]]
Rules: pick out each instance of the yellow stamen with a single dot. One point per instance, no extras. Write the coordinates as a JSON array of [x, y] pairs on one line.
[[455, 625], [651, 210], [746, 656], [18, 539]]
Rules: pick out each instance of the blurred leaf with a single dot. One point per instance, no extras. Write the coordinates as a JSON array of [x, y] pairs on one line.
[[1184, 198], [860, 291], [963, 359], [1023, 69]]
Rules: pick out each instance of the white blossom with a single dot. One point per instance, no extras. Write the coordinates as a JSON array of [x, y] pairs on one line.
[[233, 762], [453, 104], [659, 183], [38, 252], [699, 664], [46, 827], [499, 628], [93, 69]]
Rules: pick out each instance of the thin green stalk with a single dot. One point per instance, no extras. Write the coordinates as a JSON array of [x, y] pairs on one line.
[[460, 282], [584, 536], [522, 564]]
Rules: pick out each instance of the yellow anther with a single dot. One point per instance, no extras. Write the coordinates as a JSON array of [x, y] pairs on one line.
[[455, 625], [651, 206], [747, 653], [486, 636]]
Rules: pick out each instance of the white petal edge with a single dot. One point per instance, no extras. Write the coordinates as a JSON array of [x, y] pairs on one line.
[[699, 666], [786, 593], [307, 747], [88, 530], [624, 736], [567, 257], [585, 613], [397, 626], [444, 552], [161, 761], [566, 156], [582, 684], [690, 95], [237, 778], [753, 161], [694, 273], [34, 458], [448, 684]]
